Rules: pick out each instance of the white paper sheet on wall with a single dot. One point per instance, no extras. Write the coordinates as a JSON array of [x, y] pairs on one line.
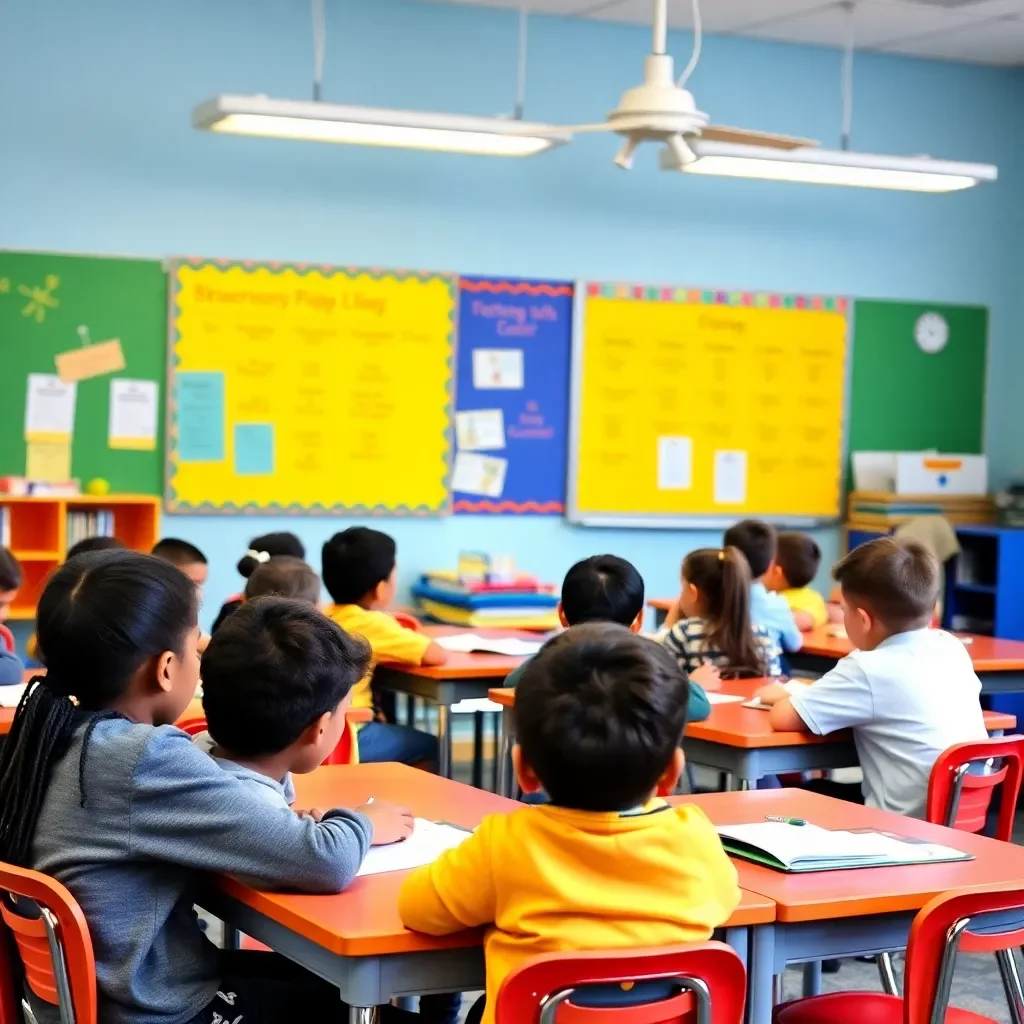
[[675, 463], [730, 477], [479, 474], [498, 369], [480, 430]]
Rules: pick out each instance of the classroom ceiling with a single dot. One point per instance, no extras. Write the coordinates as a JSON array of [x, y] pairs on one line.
[[975, 31]]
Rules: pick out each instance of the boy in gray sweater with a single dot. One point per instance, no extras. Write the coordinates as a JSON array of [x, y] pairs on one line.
[[113, 801]]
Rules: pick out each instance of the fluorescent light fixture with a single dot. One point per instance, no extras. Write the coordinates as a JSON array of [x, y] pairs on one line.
[[832, 167], [374, 126]]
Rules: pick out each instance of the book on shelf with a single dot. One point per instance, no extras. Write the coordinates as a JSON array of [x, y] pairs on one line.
[[5, 527], [82, 525]]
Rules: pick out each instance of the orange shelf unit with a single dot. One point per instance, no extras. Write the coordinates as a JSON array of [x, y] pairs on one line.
[[38, 534]]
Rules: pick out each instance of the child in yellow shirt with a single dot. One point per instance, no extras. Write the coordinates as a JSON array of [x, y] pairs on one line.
[[607, 864], [797, 559], [359, 571]]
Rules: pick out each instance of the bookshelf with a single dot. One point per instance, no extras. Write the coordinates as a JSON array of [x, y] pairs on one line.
[[36, 531]]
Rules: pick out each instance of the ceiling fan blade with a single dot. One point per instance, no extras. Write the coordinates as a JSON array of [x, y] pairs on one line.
[[745, 137], [575, 129]]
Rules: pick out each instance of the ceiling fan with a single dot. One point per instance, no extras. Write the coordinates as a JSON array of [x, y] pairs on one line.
[[660, 109]]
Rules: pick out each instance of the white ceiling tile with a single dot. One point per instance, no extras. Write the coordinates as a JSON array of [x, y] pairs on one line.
[[716, 15], [993, 42]]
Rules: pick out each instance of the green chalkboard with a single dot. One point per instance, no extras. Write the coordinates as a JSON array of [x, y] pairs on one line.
[[905, 399], [44, 299]]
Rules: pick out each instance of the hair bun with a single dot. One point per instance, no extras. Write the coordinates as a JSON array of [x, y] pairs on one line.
[[248, 563]]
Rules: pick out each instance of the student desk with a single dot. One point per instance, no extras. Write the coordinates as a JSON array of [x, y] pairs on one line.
[[858, 912], [355, 939], [194, 709], [739, 740], [999, 663], [462, 677]]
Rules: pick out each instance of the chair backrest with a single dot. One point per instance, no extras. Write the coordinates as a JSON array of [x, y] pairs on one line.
[[6, 639], [707, 985], [52, 941], [193, 726], [347, 750], [983, 920], [959, 798], [407, 621]]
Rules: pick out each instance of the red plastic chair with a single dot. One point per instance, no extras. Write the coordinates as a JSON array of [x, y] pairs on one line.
[[193, 726], [347, 750], [6, 638], [710, 975], [940, 930], [407, 621], [961, 800], [51, 940]]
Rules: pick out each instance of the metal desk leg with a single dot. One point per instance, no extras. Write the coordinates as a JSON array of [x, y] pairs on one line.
[[478, 750], [760, 981], [444, 742], [504, 755], [812, 978], [363, 1015]]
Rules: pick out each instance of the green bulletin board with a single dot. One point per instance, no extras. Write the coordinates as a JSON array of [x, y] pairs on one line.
[[44, 299], [904, 399]]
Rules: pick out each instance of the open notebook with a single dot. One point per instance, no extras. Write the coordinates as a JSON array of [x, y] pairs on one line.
[[468, 643], [10, 696], [799, 848], [428, 841]]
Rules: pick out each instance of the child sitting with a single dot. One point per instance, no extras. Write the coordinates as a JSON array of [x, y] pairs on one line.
[[11, 668], [908, 692], [284, 577], [607, 864], [757, 542], [359, 572], [711, 621], [261, 550], [87, 544], [109, 798], [187, 557], [606, 588], [797, 559]]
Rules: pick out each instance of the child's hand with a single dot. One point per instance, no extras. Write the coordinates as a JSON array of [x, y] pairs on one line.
[[772, 693], [391, 824], [674, 614], [707, 675], [314, 812]]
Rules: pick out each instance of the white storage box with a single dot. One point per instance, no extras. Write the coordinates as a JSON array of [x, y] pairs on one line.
[[920, 473]]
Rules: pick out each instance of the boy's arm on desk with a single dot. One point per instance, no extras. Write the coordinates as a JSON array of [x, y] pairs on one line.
[[456, 891]]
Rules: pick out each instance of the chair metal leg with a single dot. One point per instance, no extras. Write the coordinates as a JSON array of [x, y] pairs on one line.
[[887, 975], [1011, 984], [777, 990]]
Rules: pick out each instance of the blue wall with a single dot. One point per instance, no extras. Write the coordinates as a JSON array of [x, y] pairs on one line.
[[97, 154]]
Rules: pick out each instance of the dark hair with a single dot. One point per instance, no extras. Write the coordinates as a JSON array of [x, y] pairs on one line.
[[178, 552], [11, 576], [100, 618], [799, 558], [757, 542], [603, 588], [897, 581], [722, 578], [272, 544], [87, 544], [598, 714], [284, 577], [355, 561], [273, 669]]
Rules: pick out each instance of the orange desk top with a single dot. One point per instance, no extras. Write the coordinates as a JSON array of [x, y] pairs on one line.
[[736, 726], [831, 894], [363, 920], [988, 653]]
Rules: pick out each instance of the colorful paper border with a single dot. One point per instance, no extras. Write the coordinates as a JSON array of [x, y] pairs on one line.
[[171, 502], [717, 297]]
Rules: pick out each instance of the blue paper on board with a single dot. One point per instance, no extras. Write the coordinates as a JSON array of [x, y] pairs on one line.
[[199, 401], [534, 317], [254, 449]]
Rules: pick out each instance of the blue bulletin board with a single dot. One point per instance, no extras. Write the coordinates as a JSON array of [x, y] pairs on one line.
[[512, 396]]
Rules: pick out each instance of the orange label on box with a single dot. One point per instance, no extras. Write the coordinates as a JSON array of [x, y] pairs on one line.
[[90, 361], [943, 464]]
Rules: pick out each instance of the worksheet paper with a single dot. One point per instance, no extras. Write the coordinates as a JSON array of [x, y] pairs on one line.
[[675, 463], [10, 696], [467, 643], [498, 368], [428, 841], [730, 477], [479, 474], [480, 430], [49, 408], [133, 413]]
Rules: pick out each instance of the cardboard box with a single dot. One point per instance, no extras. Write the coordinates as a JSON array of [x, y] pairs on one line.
[[920, 473]]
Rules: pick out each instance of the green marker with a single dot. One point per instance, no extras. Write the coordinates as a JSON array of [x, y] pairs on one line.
[[783, 820]]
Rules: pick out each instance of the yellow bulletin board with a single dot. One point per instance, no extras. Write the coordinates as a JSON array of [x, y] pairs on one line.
[[309, 389], [694, 407]]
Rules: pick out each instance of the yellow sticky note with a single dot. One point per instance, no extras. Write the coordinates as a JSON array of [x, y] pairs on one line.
[[90, 361], [48, 461]]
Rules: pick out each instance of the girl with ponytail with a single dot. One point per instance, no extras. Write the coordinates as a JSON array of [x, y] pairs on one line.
[[99, 790], [261, 550], [711, 623]]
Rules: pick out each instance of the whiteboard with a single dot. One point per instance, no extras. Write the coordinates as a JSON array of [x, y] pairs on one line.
[[696, 407]]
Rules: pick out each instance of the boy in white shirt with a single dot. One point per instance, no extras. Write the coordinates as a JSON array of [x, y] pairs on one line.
[[908, 692]]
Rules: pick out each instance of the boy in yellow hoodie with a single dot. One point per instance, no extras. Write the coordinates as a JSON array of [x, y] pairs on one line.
[[607, 864]]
